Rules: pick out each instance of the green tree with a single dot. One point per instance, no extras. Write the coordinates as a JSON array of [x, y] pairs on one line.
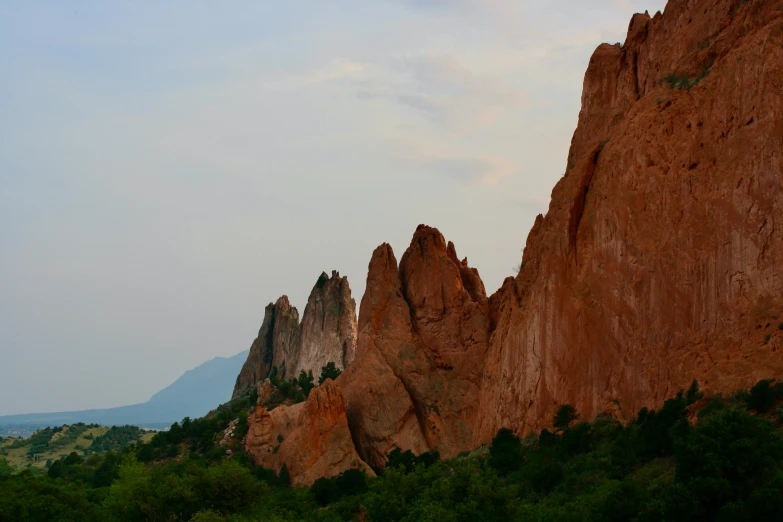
[[730, 460], [5, 469], [505, 453], [693, 394], [129, 495], [763, 395], [305, 382], [56, 470], [324, 491], [329, 371], [565, 415], [108, 471], [284, 478], [351, 482], [227, 487]]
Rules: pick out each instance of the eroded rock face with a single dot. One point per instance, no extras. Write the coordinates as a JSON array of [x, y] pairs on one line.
[[326, 334], [423, 332], [660, 259], [311, 439], [329, 328], [277, 346]]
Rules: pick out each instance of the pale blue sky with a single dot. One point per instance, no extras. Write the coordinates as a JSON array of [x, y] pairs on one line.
[[169, 168]]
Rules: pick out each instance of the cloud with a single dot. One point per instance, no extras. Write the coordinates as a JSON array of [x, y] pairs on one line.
[[465, 170], [438, 87]]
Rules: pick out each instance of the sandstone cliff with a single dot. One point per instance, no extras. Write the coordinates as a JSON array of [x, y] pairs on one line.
[[326, 334], [659, 260], [311, 438], [423, 332], [276, 346], [329, 328]]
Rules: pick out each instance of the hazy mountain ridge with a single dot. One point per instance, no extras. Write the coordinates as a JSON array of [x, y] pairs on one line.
[[194, 394]]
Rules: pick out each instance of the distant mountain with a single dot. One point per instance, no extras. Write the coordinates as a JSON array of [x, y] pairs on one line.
[[193, 395]]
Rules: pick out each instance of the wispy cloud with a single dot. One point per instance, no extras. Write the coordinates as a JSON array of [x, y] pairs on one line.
[[439, 88], [466, 171]]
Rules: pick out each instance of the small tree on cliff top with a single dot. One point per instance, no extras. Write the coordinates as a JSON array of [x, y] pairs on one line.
[[329, 371]]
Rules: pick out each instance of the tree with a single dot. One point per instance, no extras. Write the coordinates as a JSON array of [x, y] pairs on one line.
[[762, 396], [56, 470], [305, 382], [325, 491], [351, 482], [284, 478], [565, 415], [72, 459], [5, 469], [505, 453], [693, 394], [108, 471], [730, 460], [329, 371]]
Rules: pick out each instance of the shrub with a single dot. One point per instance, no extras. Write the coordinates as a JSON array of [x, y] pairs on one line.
[[577, 440], [763, 395], [284, 478], [505, 453], [351, 482], [714, 404], [730, 458], [693, 394], [329, 371], [565, 415], [407, 461], [324, 491]]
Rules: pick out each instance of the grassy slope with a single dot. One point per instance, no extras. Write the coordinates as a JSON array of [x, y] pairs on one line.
[[18, 458]]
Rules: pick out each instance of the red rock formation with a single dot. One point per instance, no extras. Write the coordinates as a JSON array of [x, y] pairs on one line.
[[311, 438], [423, 332], [277, 345], [327, 334], [661, 257], [328, 329]]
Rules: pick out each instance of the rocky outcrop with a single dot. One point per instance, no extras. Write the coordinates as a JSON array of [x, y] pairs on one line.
[[660, 259], [311, 439], [329, 328], [277, 346], [326, 334], [423, 332]]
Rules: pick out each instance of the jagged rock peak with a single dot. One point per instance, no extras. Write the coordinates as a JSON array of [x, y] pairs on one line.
[[422, 339], [327, 333], [311, 439], [277, 346], [329, 326]]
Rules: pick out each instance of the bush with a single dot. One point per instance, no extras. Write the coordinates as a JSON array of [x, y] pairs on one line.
[[329, 371], [565, 415], [324, 491], [577, 440], [763, 395], [693, 394], [728, 461], [351, 482], [505, 453]]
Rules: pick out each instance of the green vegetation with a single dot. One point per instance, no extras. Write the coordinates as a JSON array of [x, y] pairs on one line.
[[685, 82], [115, 439], [329, 371], [49, 444], [661, 466]]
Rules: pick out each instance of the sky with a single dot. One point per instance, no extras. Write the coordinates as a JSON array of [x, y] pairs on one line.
[[167, 169]]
